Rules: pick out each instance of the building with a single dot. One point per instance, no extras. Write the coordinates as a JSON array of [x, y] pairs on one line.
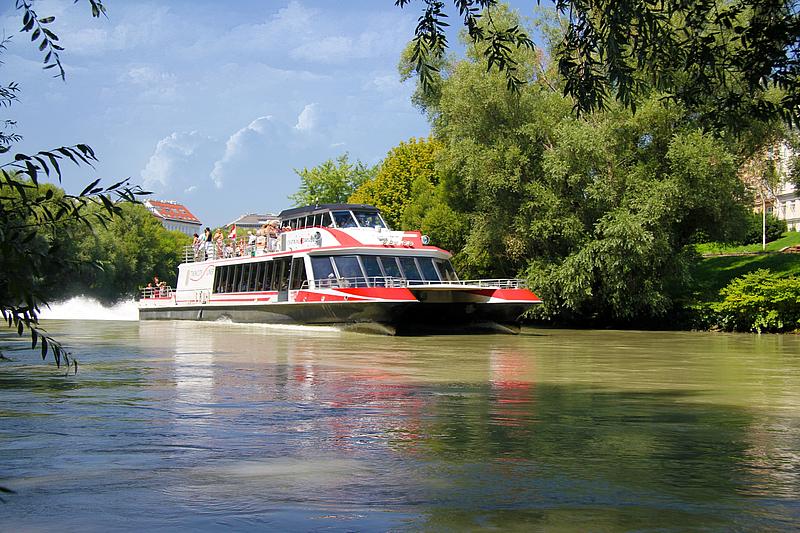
[[778, 195], [253, 221], [174, 216]]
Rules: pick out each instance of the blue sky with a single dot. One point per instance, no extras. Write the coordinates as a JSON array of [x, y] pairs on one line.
[[211, 103]]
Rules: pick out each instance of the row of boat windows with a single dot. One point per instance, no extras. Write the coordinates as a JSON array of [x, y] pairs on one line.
[[277, 275], [362, 269], [358, 270], [338, 219]]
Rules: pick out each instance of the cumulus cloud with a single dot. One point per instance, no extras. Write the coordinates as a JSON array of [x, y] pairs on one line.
[[243, 146], [180, 159], [268, 147], [307, 118]]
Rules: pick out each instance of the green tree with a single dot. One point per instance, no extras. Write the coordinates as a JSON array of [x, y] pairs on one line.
[[597, 211], [130, 249], [330, 182], [390, 189], [729, 60], [35, 219]]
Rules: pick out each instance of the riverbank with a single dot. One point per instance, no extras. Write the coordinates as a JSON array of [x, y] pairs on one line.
[[745, 289]]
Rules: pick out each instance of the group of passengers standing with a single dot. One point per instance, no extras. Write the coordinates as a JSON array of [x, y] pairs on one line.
[[208, 246]]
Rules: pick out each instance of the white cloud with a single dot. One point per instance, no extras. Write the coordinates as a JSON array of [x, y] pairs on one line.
[[307, 118], [177, 161], [241, 146]]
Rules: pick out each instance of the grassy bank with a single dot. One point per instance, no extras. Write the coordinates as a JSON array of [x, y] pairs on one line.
[[714, 273], [790, 238]]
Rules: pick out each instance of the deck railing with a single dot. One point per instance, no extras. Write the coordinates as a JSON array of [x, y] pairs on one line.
[[392, 282], [228, 248], [156, 292]]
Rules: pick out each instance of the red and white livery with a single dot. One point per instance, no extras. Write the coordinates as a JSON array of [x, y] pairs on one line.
[[336, 264]]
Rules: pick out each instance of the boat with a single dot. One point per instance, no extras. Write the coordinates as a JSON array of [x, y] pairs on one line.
[[336, 264]]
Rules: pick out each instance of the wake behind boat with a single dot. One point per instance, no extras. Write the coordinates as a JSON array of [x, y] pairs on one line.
[[336, 264]]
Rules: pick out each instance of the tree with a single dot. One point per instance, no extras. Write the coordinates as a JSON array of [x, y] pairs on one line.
[[330, 182], [34, 218], [729, 60], [599, 211], [390, 190]]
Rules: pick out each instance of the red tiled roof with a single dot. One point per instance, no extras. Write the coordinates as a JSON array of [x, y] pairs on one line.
[[173, 211]]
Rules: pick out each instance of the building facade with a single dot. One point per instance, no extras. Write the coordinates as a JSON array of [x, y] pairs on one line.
[[779, 196], [174, 216]]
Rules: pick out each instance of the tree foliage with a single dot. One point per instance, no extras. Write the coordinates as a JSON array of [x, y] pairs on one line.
[[730, 61], [760, 301], [36, 219], [598, 211], [391, 188], [330, 182]]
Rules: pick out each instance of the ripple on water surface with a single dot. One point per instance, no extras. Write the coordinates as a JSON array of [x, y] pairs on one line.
[[197, 426]]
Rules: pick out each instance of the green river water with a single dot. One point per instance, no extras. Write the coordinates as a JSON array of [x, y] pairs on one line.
[[197, 427]]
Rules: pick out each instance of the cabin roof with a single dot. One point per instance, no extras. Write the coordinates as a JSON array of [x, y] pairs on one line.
[[295, 212]]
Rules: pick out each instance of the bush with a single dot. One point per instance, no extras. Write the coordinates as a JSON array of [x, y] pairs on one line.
[[760, 301], [775, 228]]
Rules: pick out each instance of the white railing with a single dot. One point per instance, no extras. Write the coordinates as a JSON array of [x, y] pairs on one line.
[[156, 292], [228, 248], [391, 282]]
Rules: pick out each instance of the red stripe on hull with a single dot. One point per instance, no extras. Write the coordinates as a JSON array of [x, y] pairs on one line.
[[358, 293]]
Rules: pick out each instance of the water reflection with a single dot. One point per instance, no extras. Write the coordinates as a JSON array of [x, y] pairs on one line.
[[210, 425]]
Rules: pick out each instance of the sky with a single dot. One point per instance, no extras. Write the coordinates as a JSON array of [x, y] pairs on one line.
[[214, 104]]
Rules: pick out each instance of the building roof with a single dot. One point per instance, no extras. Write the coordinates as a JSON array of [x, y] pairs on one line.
[[172, 211], [254, 219]]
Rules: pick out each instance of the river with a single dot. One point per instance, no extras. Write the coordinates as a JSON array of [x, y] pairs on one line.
[[203, 426]]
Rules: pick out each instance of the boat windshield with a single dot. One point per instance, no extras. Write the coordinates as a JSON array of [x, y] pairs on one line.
[[369, 219], [344, 219]]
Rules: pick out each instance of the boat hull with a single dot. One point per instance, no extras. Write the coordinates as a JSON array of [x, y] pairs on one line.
[[402, 318]]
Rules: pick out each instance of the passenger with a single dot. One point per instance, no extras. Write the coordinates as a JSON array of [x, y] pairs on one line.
[[272, 236], [228, 251], [208, 243], [218, 244], [196, 246], [148, 291]]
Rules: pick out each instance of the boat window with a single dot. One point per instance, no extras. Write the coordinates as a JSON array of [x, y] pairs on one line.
[[322, 268], [237, 273], [225, 282], [298, 273], [344, 219], [410, 268], [391, 268], [324, 220], [350, 270], [369, 219], [371, 267], [282, 274], [425, 265], [446, 270], [218, 279], [267, 276], [255, 280]]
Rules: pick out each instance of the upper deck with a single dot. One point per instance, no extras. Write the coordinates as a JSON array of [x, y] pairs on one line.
[[328, 226]]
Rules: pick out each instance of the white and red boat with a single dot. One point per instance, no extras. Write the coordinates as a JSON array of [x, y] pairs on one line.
[[337, 264]]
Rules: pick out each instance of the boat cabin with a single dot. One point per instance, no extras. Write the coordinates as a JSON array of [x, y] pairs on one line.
[[339, 216]]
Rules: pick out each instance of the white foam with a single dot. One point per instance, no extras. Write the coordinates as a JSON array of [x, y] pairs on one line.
[[85, 308]]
